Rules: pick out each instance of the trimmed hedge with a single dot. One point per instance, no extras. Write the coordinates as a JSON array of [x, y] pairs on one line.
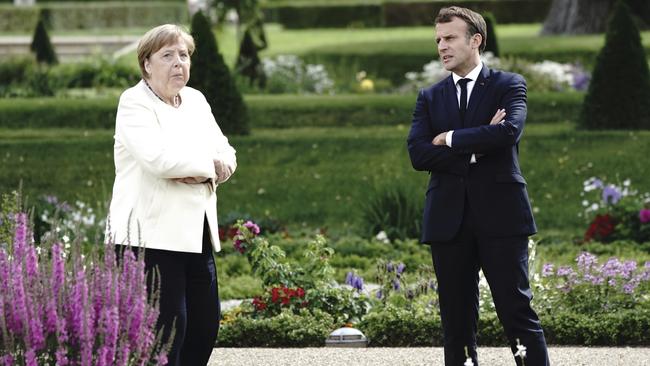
[[400, 327], [67, 16], [281, 111], [396, 14]]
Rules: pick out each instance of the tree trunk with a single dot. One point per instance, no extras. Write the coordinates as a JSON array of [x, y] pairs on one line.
[[577, 17]]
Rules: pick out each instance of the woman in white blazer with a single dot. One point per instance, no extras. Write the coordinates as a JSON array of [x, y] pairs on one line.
[[170, 155]]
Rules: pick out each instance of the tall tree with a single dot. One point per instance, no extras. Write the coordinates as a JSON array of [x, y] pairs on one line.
[[619, 92], [211, 76]]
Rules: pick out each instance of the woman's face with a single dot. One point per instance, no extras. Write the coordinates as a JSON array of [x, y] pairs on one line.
[[169, 69]]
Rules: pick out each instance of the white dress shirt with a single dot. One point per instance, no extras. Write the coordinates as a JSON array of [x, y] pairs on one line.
[[473, 76]]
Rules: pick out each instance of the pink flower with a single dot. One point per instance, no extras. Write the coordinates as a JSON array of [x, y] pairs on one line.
[[644, 215], [252, 227]]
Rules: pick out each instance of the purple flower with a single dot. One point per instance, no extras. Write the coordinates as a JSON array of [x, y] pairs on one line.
[[348, 278], [547, 270], [644, 215], [565, 271], [611, 194], [400, 268], [396, 284], [378, 295], [357, 283], [586, 260], [580, 79], [389, 267]]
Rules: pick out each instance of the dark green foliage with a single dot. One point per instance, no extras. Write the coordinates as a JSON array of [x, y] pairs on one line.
[[394, 327], [282, 111], [110, 14], [211, 76], [393, 209], [284, 330], [41, 45], [491, 43], [619, 92], [248, 61], [359, 14]]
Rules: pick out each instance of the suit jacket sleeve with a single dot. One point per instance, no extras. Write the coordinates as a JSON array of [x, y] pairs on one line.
[[138, 130], [426, 156], [484, 138]]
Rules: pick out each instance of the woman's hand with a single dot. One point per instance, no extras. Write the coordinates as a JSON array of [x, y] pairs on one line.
[[223, 170], [191, 180], [498, 117]]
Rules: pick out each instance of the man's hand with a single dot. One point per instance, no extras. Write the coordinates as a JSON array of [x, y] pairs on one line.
[[440, 140], [498, 117], [223, 170]]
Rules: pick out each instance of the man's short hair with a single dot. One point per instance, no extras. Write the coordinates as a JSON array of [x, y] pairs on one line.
[[475, 22], [159, 37]]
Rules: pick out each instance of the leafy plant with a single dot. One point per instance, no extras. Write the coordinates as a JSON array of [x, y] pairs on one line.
[[392, 209]]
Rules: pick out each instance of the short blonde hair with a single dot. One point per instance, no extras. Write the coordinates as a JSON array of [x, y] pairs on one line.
[[158, 38]]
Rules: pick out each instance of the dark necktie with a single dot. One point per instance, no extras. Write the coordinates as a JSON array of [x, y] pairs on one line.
[[463, 97]]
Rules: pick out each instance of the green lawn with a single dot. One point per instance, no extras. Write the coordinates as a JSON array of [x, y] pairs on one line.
[[319, 177], [514, 39]]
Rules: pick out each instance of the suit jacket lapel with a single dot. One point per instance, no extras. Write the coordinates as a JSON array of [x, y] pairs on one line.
[[475, 98], [451, 103]]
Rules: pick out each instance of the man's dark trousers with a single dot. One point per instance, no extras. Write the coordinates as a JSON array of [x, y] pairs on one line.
[[504, 262]]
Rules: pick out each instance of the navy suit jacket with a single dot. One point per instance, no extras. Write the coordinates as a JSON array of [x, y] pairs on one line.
[[494, 186]]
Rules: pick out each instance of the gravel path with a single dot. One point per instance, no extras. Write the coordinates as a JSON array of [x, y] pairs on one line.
[[560, 356]]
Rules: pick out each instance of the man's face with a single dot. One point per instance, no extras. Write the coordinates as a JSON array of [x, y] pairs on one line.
[[457, 53]]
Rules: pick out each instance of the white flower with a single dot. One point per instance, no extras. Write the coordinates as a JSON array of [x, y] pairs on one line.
[[521, 350], [585, 203], [468, 362], [382, 237]]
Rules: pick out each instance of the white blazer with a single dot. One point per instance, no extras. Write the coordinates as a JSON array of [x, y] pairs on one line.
[[154, 143]]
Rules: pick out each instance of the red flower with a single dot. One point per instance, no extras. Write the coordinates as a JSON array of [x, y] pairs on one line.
[[600, 228], [286, 300], [275, 294], [232, 231], [259, 304], [300, 292]]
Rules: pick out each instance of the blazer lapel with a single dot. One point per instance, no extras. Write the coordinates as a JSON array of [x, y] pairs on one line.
[[451, 103], [475, 98]]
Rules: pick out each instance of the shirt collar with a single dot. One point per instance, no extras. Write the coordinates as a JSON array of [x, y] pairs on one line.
[[473, 75]]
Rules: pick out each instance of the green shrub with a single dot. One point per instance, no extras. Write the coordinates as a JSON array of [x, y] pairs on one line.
[[296, 14], [401, 327], [394, 210], [619, 92], [284, 330], [211, 76], [277, 111], [396, 327], [93, 15], [491, 43], [41, 45]]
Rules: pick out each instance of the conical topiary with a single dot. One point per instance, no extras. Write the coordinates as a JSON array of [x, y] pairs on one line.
[[619, 93], [248, 61], [42, 46], [491, 44], [211, 76]]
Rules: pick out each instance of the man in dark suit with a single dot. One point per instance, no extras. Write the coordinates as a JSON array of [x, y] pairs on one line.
[[465, 133]]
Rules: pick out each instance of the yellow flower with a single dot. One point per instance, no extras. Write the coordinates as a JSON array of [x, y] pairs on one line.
[[367, 85]]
